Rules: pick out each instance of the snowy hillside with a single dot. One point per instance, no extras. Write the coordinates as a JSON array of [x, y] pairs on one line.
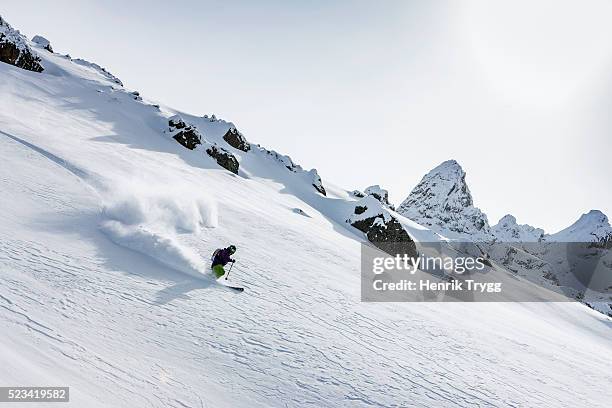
[[111, 206]]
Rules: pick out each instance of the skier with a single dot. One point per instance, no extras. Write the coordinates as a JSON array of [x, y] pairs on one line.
[[220, 258]]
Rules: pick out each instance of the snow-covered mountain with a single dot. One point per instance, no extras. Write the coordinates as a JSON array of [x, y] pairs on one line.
[[443, 202], [590, 227], [508, 230], [111, 206]]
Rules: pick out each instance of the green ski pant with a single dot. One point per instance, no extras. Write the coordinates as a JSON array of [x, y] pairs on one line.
[[218, 271]]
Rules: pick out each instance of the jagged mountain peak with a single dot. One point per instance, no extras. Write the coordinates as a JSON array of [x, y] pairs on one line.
[[443, 181], [442, 200], [509, 230], [448, 165], [507, 219]]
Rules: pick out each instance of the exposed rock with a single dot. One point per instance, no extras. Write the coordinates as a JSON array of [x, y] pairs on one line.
[[316, 182], [43, 42], [235, 139], [224, 158], [443, 202], [381, 228], [187, 139], [283, 159], [136, 95], [14, 49], [301, 212], [360, 209], [378, 193], [177, 122], [286, 161], [184, 133], [508, 230], [357, 194]]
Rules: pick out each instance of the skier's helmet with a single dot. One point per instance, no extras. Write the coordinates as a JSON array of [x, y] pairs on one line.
[[232, 248]]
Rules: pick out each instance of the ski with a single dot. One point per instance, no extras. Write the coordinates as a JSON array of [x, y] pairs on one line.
[[223, 282]]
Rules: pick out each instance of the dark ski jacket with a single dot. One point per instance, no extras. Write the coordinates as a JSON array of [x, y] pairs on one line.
[[223, 257]]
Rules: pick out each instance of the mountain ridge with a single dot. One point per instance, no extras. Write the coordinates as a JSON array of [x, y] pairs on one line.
[[108, 226]]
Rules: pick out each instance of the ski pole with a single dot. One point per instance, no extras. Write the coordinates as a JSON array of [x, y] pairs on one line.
[[228, 272]]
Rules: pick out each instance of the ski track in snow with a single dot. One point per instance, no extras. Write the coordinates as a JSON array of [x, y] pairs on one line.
[[123, 330], [313, 347]]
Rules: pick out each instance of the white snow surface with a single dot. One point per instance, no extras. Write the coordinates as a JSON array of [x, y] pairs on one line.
[[107, 229]]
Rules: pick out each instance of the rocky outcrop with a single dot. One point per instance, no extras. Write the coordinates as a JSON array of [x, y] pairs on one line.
[[443, 202], [284, 160], [235, 139], [14, 49], [508, 230], [224, 158], [184, 133], [316, 182], [301, 212], [43, 42], [381, 228], [189, 136], [360, 209], [378, 193]]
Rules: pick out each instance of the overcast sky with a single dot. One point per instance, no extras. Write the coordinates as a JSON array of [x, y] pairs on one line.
[[371, 92]]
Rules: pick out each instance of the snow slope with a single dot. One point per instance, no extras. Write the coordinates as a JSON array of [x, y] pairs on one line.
[[105, 219]]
